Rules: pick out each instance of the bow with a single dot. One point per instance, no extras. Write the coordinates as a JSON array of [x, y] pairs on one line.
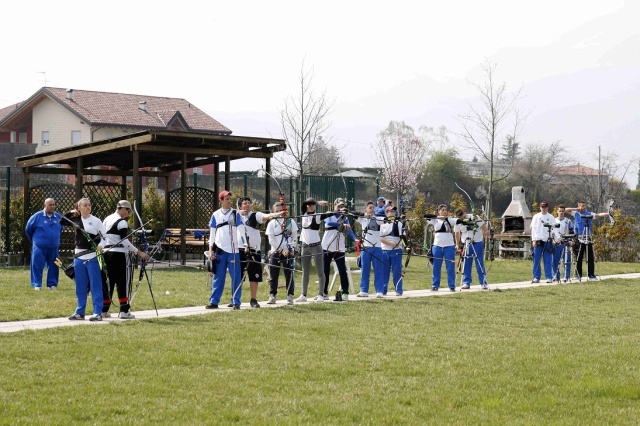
[[611, 212], [94, 245], [407, 232], [143, 263]]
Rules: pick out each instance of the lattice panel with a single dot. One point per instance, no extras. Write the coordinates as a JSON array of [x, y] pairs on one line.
[[200, 202]]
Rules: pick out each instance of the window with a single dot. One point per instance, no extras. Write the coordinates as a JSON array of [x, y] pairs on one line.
[[76, 137], [45, 138], [13, 137], [22, 137]]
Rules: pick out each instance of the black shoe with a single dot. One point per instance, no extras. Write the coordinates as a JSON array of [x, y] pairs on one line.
[[211, 306], [236, 307], [254, 303], [76, 317], [230, 305], [434, 288], [338, 297]]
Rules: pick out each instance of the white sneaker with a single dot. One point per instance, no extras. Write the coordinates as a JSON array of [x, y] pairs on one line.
[[125, 315], [362, 294], [325, 297], [37, 288], [290, 299], [53, 287], [345, 297], [379, 296], [398, 294], [302, 298], [272, 300], [106, 315], [319, 298]]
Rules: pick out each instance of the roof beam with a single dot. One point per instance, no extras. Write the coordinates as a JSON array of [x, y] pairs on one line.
[[205, 151]]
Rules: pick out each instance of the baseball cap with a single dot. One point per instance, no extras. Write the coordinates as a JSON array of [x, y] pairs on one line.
[[390, 208], [124, 204], [381, 199], [544, 204], [223, 194]]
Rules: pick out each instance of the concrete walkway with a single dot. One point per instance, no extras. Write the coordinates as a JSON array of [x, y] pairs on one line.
[[13, 326]]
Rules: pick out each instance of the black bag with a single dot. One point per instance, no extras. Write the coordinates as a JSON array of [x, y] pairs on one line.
[[70, 272], [359, 261]]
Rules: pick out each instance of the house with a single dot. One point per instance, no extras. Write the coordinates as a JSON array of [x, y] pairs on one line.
[[54, 118]]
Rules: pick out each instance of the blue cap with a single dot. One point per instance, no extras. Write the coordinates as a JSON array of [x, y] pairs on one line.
[[382, 199]]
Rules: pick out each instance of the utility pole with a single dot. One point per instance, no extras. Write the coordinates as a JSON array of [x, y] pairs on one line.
[[599, 182]]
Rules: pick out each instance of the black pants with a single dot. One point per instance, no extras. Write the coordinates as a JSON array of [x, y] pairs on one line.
[[119, 274], [275, 261], [588, 247], [338, 257]]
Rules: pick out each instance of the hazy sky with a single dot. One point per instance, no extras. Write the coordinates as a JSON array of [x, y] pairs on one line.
[[577, 62]]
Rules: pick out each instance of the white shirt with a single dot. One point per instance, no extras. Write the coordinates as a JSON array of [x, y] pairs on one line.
[[442, 237], [386, 231], [308, 235], [372, 225], [538, 230], [223, 230], [92, 225], [476, 236], [278, 234], [333, 239], [113, 239], [251, 233]]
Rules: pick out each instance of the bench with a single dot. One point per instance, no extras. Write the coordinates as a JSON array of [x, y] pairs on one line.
[[196, 240]]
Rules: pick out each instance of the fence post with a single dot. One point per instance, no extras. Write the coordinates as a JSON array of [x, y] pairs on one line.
[[6, 210]]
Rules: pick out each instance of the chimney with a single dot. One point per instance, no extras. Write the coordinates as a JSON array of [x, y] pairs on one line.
[[70, 94], [142, 105]]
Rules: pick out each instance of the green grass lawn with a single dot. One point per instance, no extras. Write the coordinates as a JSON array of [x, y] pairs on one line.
[[564, 354]]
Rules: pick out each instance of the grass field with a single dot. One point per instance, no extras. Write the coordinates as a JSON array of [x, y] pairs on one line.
[[564, 354]]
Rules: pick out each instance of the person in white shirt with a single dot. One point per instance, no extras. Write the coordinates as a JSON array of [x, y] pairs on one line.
[[225, 224], [391, 235], [311, 246], [118, 263], [283, 235], [443, 247], [371, 256], [87, 258], [250, 244], [333, 244], [543, 231], [469, 237]]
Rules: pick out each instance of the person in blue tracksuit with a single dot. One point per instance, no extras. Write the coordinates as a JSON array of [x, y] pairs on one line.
[[371, 254], [43, 230], [443, 247], [225, 226], [543, 226]]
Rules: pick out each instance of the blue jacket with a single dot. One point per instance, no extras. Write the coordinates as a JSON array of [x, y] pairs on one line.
[[44, 231]]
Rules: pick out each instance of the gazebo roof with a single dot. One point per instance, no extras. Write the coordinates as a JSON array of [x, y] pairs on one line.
[[161, 149]]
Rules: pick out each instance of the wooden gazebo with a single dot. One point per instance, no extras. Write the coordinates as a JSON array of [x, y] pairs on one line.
[[151, 154]]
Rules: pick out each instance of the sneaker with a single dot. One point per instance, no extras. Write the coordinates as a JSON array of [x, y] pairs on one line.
[[230, 305], [379, 296], [211, 306], [37, 288], [535, 281], [106, 315], [96, 317], [126, 315], [290, 299], [484, 287], [254, 303], [325, 297], [592, 278], [76, 317], [452, 290], [465, 287], [345, 297], [549, 281], [302, 298], [362, 294], [319, 298], [272, 299], [398, 294], [434, 288], [236, 307], [53, 287]]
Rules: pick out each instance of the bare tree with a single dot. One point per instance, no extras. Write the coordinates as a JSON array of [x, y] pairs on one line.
[[496, 120], [400, 155], [536, 168], [324, 159], [304, 119]]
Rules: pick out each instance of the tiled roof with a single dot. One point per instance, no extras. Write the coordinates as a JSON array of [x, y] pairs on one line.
[[122, 110], [578, 170], [7, 110]]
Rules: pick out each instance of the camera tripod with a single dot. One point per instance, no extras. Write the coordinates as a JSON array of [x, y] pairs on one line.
[[565, 260], [469, 253]]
